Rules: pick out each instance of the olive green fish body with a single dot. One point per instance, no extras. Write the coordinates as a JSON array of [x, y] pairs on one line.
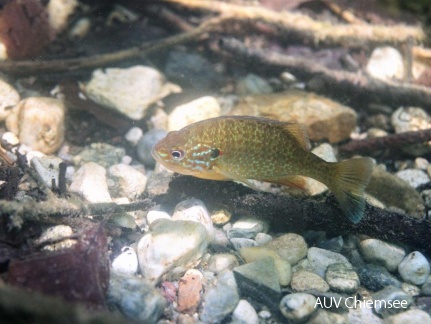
[[243, 147]]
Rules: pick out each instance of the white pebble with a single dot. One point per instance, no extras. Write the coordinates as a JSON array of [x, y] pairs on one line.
[[298, 307], [134, 135], [414, 268], [245, 313], [386, 63], [130, 182], [126, 262]]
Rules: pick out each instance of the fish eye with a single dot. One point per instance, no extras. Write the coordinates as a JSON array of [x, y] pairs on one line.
[[177, 154], [215, 152]]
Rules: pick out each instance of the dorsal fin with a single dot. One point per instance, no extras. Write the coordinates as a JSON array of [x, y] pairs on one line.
[[299, 132]]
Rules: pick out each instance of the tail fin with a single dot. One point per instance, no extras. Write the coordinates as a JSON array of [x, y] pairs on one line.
[[348, 186]]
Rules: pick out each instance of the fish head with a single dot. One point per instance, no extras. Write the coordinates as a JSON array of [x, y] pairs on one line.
[[182, 152]]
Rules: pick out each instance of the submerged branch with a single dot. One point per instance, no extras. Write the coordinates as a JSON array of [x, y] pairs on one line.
[[385, 142], [297, 215], [356, 86]]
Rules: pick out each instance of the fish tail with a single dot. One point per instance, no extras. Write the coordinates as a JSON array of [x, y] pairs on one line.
[[351, 177]]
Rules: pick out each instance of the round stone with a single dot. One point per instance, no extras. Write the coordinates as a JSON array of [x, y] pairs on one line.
[[414, 268], [305, 280], [382, 253], [298, 307], [342, 278], [290, 247]]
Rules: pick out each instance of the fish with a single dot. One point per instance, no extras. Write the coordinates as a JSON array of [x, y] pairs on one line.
[[244, 148]]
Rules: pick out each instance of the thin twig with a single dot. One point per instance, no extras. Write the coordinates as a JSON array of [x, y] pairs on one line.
[[390, 141]]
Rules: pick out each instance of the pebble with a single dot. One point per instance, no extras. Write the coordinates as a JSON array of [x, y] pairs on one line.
[[239, 243], [48, 168], [129, 182], [290, 247], [407, 119], [193, 111], [155, 214], [325, 119], [220, 216], [415, 268], [361, 315], [39, 123], [192, 70], [325, 317], [382, 253], [194, 210], [189, 291], [412, 290], [421, 163], [375, 277], [133, 135], [9, 97], [263, 238], [220, 300], [58, 234], [146, 143], [298, 307], [412, 316], [265, 314], [248, 227], [262, 274], [9, 138], [413, 177], [135, 298], [252, 84], [334, 244], [170, 247], [386, 63], [284, 269], [222, 261], [126, 262], [220, 237], [426, 287], [342, 278], [100, 153], [396, 192], [391, 293], [244, 313], [90, 181], [130, 91], [320, 259], [305, 280]]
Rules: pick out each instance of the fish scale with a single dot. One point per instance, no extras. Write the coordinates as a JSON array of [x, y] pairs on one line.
[[241, 148]]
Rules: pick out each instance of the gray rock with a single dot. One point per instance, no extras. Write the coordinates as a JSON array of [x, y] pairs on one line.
[[247, 227], [306, 280], [126, 263], [412, 290], [290, 247], [252, 84], [382, 253], [399, 298], [222, 261], [244, 313], [221, 299], [194, 210], [171, 247], [130, 91], [325, 317], [260, 280], [393, 191], [90, 181], [361, 315], [412, 316], [342, 278], [146, 143], [298, 307], [426, 287], [263, 238], [100, 153], [135, 298], [413, 177], [129, 182], [320, 259], [239, 243], [334, 244], [375, 277], [414, 268], [192, 71], [407, 119]]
